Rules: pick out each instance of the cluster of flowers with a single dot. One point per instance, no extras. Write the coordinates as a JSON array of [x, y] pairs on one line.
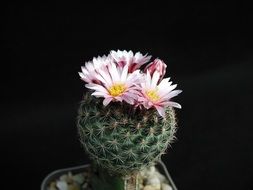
[[118, 77]]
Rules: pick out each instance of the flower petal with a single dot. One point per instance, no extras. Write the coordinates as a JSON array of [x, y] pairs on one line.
[[107, 101], [96, 87], [124, 74], [155, 79], [174, 104], [161, 111]]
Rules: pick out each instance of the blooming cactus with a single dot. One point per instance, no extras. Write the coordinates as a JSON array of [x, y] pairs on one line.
[[127, 120], [117, 77]]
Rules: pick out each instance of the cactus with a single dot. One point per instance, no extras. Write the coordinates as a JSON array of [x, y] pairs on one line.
[[133, 125], [122, 140]]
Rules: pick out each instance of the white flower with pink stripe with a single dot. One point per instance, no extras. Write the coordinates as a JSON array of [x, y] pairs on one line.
[[134, 61], [158, 95], [118, 77]]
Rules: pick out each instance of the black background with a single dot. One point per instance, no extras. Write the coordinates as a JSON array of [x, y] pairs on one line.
[[207, 47]]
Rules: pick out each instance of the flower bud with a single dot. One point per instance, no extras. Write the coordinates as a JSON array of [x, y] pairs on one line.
[[157, 65]]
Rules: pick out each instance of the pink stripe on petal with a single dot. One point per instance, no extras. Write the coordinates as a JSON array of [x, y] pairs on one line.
[[99, 77], [133, 67], [106, 77]]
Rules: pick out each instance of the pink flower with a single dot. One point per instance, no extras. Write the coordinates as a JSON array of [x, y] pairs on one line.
[[91, 68], [157, 65], [116, 84], [157, 95], [117, 77], [134, 61]]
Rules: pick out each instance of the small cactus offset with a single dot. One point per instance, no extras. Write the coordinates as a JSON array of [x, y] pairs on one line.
[[126, 121]]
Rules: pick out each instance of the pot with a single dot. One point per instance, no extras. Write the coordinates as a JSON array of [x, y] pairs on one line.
[[53, 176]]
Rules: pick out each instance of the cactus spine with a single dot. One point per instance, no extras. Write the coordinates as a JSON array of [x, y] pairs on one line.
[[122, 140]]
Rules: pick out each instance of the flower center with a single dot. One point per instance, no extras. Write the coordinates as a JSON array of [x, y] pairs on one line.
[[153, 95], [117, 89]]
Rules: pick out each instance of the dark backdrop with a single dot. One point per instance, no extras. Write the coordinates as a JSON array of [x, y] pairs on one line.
[[208, 50]]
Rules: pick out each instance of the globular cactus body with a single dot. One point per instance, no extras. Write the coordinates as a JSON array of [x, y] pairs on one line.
[[123, 140]]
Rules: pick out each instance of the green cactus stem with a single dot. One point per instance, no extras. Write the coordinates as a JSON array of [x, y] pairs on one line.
[[123, 140]]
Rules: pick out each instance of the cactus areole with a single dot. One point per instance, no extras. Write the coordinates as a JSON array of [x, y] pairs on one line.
[[126, 119]]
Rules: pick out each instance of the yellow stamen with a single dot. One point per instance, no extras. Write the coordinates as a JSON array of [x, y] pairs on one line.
[[117, 89], [153, 95]]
